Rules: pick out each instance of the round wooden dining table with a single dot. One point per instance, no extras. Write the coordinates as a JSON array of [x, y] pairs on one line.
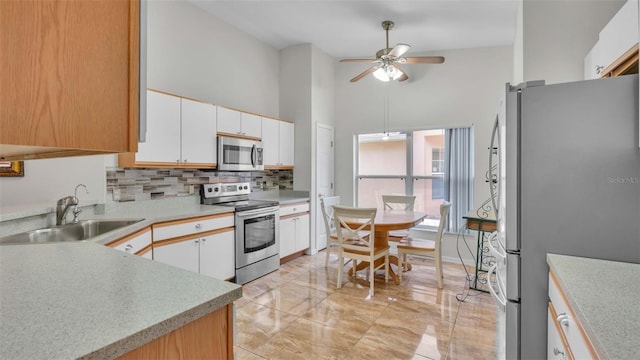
[[385, 221]]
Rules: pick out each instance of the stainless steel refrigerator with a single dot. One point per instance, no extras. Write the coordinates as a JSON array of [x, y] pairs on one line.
[[566, 170]]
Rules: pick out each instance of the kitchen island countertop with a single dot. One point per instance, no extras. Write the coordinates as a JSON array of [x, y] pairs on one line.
[[604, 296]]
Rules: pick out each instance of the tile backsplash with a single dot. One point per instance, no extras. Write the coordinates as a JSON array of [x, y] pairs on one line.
[[132, 184]]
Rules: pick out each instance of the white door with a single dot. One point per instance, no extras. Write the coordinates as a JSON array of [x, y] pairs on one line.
[[287, 236], [287, 143], [251, 125], [324, 177], [228, 120]]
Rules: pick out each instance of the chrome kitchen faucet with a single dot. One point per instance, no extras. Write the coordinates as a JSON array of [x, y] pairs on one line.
[[63, 205]]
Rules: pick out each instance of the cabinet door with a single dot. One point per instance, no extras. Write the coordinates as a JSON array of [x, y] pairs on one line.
[[163, 129], [287, 133], [620, 34], [69, 76], [228, 120], [555, 345], [302, 232], [217, 255], [182, 254], [251, 125], [198, 132], [270, 141], [287, 236]]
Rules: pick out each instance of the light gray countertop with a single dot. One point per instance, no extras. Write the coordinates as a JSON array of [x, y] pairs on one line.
[[85, 300], [604, 295]]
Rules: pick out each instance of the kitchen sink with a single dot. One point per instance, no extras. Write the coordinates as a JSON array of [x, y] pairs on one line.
[[81, 230]]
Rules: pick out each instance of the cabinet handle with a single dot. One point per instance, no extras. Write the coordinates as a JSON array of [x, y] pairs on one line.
[[563, 319], [557, 352], [185, 161], [197, 241], [128, 247], [198, 226], [204, 240], [599, 69], [178, 161]]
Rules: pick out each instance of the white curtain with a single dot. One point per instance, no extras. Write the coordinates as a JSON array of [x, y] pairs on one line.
[[458, 178]]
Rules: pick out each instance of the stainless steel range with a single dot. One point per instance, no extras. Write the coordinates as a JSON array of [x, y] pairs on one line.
[[257, 226]]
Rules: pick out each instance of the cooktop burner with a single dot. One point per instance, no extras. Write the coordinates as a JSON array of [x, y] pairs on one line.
[[233, 195]]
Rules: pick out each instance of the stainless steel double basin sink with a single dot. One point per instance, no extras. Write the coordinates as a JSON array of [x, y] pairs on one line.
[[80, 230]]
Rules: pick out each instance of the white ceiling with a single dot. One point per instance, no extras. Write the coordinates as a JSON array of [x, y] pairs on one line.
[[352, 28]]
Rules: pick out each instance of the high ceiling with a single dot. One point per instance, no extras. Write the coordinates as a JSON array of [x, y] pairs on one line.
[[352, 28]]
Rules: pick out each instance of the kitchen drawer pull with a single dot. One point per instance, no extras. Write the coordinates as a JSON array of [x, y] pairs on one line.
[[128, 247], [563, 319], [198, 226]]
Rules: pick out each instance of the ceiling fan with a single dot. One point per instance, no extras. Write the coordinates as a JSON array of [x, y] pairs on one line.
[[386, 65]]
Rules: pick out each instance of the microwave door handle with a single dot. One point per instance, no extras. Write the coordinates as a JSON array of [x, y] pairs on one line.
[[253, 155]]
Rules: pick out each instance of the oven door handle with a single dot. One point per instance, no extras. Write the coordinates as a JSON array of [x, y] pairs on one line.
[[268, 211]]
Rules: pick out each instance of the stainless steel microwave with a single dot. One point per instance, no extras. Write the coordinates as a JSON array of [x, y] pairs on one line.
[[239, 154]]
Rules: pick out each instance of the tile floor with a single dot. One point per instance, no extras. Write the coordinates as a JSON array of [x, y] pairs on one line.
[[298, 313]]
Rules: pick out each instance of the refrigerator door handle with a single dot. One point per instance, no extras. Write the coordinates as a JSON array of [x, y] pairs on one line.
[[493, 150], [498, 295]]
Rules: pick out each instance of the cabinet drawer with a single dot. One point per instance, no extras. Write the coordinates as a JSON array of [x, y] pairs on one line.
[[171, 229], [294, 208], [133, 243], [578, 343]]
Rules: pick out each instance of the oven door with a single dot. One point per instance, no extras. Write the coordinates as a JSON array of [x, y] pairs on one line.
[[239, 154], [257, 234]]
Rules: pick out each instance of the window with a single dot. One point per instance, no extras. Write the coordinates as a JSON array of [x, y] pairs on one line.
[[415, 163]]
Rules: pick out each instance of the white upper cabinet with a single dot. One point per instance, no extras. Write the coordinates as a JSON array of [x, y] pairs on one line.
[[198, 132], [163, 129], [615, 43], [278, 141], [270, 141], [239, 123], [251, 125], [620, 34], [179, 132], [287, 131]]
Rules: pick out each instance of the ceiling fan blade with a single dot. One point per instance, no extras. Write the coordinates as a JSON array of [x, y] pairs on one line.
[[357, 60], [424, 60], [404, 75], [364, 73], [399, 49]]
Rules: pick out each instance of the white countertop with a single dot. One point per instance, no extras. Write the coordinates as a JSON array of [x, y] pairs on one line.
[[604, 295]]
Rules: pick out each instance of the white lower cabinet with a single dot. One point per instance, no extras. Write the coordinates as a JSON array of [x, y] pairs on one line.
[[138, 243], [294, 228], [203, 245], [566, 338]]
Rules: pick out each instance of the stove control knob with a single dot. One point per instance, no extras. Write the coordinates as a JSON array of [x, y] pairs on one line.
[[209, 190], [246, 187], [216, 189]]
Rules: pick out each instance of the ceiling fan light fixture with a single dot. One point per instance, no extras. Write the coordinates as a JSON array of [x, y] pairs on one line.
[[387, 72], [381, 74]]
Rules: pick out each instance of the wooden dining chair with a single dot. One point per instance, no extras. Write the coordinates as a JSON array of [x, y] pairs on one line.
[[353, 246], [416, 246], [326, 206], [400, 202]]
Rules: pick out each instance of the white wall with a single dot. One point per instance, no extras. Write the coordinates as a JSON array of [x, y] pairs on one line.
[[558, 34], [45, 181], [462, 91], [194, 54]]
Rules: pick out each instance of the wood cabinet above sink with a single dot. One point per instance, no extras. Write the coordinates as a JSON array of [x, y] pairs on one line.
[[70, 73]]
